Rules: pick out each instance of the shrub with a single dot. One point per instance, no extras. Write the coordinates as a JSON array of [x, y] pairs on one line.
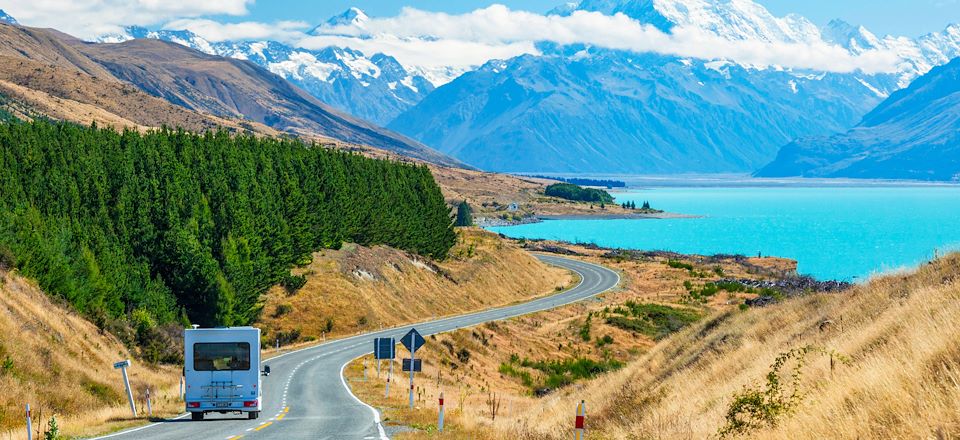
[[755, 408], [679, 265], [53, 430], [585, 329], [293, 283], [605, 340], [282, 309], [463, 355], [653, 320]]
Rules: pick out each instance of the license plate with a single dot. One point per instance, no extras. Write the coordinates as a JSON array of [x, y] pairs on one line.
[[221, 404]]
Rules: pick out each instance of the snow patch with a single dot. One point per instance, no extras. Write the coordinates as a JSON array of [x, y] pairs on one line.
[[872, 88], [407, 82], [304, 64]]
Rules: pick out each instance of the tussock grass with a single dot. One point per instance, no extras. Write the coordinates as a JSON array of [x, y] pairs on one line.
[[898, 335], [62, 365]]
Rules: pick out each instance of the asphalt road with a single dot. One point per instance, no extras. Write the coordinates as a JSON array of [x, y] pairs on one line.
[[306, 396]]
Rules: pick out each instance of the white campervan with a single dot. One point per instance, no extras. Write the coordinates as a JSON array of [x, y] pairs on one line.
[[222, 371]]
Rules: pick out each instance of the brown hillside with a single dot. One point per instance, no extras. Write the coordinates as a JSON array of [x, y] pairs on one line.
[[217, 89], [360, 289], [238, 88], [71, 95], [61, 364], [894, 372]]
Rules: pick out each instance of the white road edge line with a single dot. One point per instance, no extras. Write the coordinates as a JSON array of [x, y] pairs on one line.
[[376, 414], [137, 429]]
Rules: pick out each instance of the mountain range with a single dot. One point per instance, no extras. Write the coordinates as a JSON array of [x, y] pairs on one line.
[[597, 110], [915, 134], [375, 88], [587, 109], [581, 108]]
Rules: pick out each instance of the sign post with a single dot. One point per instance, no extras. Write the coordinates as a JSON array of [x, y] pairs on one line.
[[384, 348], [122, 365], [413, 341]]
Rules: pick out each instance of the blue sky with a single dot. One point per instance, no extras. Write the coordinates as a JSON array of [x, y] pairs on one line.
[[898, 17]]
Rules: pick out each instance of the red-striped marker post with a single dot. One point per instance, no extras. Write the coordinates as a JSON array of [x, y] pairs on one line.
[[440, 421], [579, 421], [29, 424]]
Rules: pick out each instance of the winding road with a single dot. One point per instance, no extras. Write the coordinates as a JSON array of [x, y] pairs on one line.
[[306, 396]]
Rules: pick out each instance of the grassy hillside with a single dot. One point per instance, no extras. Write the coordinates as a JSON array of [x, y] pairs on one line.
[[893, 373], [552, 355], [63, 365], [359, 288]]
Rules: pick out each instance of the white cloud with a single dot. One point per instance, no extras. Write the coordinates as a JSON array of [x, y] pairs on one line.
[[425, 52], [249, 30], [422, 38], [92, 18]]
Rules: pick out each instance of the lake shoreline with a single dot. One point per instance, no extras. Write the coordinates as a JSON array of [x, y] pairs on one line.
[[485, 222]]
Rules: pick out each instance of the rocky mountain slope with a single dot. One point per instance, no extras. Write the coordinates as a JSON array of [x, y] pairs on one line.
[[376, 88], [219, 88], [594, 110], [915, 134]]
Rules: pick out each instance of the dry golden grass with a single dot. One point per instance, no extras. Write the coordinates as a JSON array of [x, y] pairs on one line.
[[63, 365], [548, 335], [361, 289], [899, 334]]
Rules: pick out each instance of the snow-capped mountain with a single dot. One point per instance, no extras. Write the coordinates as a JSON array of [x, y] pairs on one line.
[[915, 134], [6, 18], [376, 88], [597, 110], [589, 109], [351, 17], [731, 19], [529, 113], [918, 55]]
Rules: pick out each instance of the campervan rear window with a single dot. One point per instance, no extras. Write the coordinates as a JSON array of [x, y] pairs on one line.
[[221, 356]]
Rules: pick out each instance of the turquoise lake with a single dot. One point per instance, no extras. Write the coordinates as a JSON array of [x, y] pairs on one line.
[[841, 233]]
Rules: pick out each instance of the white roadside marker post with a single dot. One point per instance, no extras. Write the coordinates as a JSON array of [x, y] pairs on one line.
[[579, 421], [440, 421], [122, 365], [29, 424], [149, 406], [364, 370]]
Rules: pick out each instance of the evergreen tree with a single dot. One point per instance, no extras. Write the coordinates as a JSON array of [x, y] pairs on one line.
[[464, 214], [177, 224]]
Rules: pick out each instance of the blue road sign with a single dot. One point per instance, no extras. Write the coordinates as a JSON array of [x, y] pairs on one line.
[[417, 365], [412, 340], [384, 348]]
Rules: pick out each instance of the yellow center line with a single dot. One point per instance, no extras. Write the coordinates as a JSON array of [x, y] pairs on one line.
[[235, 437], [263, 426], [286, 409], [281, 416]]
